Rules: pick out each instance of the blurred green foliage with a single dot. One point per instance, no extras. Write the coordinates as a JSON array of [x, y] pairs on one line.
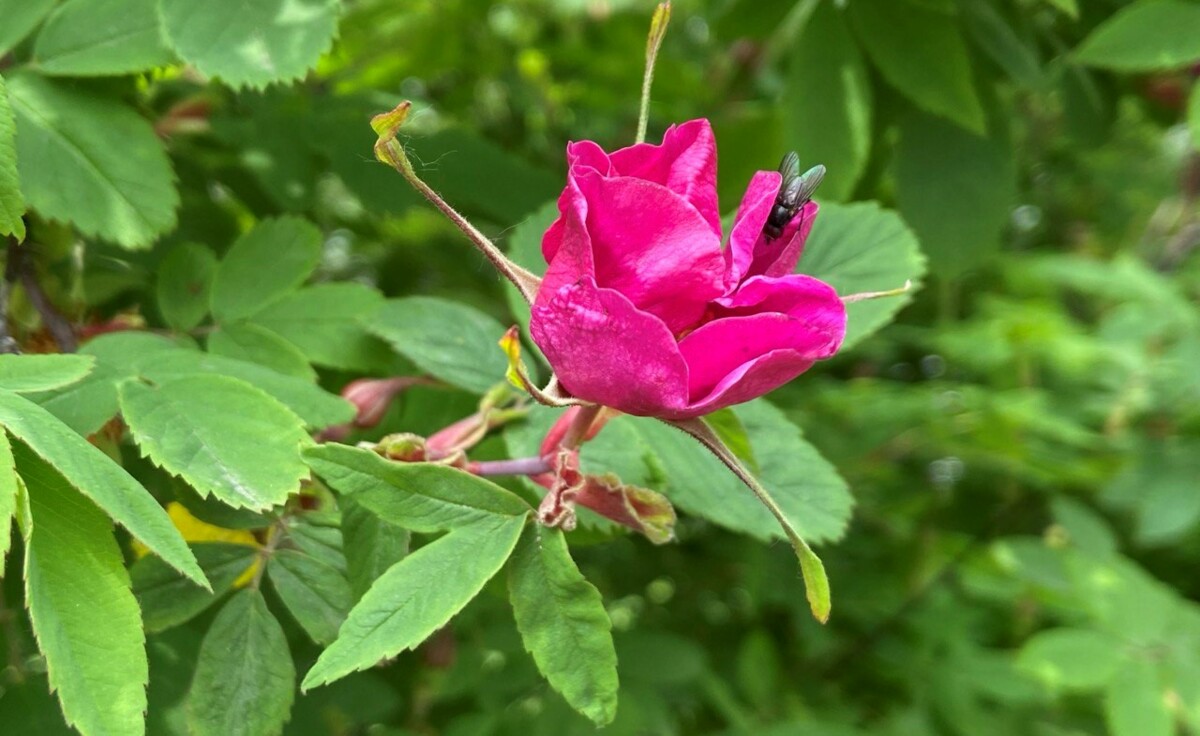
[[1022, 444]]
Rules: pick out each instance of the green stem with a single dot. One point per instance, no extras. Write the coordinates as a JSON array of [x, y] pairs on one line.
[[816, 583], [658, 29]]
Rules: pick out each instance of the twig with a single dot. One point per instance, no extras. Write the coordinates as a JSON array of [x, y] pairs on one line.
[[23, 269]]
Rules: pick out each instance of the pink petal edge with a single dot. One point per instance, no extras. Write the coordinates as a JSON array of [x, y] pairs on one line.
[[606, 351]]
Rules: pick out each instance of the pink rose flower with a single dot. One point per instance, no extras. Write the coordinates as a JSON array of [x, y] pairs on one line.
[[643, 311]]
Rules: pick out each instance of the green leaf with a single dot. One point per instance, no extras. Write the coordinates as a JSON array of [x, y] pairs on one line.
[[1089, 102], [827, 102], [251, 43], [1122, 599], [141, 354], [450, 341], [423, 497], [95, 475], [1145, 36], [317, 535], [992, 33], [87, 405], [249, 457], [12, 204], [326, 322], [20, 17], [263, 265], [185, 278], [283, 165], [84, 614], [91, 161], [371, 545], [1087, 530], [1135, 703], [416, 597], [245, 680], [955, 189], [100, 37], [317, 594], [1071, 658], [8, 497], [563, 623], [130, 351], [759, 668], [310, 402], [1161, 486], [167, 600], [921, 53], [858, 248], [25, 373], [261, 346], [811, 493], [172, 664]]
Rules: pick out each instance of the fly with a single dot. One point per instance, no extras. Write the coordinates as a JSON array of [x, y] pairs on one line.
[[794, 192]]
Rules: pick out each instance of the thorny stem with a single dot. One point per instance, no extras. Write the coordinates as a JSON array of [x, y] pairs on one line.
[[816, 583], [658, 29], [19, 267], [389, 151], [515, 466]]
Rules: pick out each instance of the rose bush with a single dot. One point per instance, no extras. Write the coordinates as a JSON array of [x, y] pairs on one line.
[[642, 310]]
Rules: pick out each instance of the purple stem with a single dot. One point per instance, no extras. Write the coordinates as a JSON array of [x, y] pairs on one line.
[[516, 466]]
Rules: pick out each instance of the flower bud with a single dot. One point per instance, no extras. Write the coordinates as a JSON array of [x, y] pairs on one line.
[[372, 397]]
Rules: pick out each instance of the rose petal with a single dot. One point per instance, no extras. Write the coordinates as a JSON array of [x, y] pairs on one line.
[[685, 163], [569, 241], [797, 295], [644, 241], [768, 332], [581, 156], [588, 155], [605, 350], [748, 224], [779, 256], [722, 346], [750, 381]]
